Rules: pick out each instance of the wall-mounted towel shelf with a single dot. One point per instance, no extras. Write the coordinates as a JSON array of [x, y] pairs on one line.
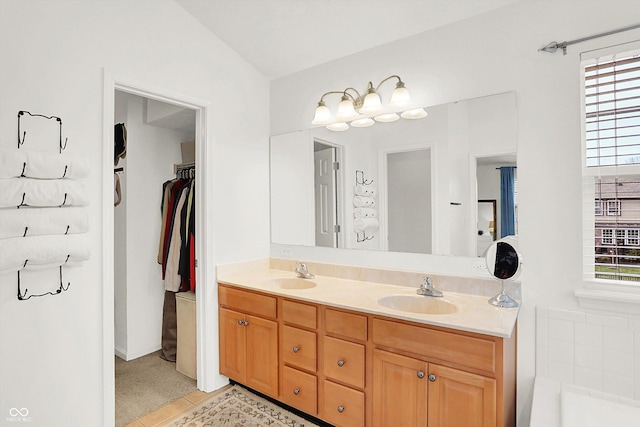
[[22, 296], [22, 136], [39, 237]]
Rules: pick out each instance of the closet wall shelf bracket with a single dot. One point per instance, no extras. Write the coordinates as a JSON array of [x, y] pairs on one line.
[[22, 296]]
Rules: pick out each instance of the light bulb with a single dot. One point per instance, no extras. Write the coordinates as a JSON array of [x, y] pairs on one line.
[[372, 104], [338, 126], [400, 96], [387, 118], [362, 123], [323, 115], [417, 113], [346, 112]]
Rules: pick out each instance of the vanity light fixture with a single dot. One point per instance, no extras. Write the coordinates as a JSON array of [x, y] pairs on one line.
[[364, 111]]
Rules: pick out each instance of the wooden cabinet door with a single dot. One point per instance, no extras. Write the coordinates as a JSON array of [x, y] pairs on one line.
[[262, 355], [458, 398], [400, 387], [232, 344]]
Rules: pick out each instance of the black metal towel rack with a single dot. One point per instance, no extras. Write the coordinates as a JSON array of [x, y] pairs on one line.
[[22, 136]]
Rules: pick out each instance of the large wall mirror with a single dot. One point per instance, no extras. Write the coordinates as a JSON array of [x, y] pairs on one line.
[[435, 185]]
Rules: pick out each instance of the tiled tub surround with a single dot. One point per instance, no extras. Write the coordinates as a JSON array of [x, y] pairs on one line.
[[595, 351], [360, 288], [556, 404]]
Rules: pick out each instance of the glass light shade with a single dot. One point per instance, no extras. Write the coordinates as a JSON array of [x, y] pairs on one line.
[[362, 123], [346, 112], [387, 118], [418, 113], [372, 104], [400, 97], [322, 116], [338, 126]]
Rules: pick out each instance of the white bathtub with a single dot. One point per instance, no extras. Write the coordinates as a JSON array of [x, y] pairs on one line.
[[564, 405]]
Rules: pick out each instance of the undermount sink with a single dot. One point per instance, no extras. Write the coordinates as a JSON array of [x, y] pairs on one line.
[[418, 304], [292, 283]]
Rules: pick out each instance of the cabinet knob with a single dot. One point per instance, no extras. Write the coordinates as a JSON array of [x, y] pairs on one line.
[[240, 322], [245, 323], [341, 409], [296, 391], [432, 377], [340, 362], [296, 349], [420, 374]]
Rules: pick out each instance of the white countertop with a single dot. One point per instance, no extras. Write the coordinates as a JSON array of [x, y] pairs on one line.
[[474, 313]]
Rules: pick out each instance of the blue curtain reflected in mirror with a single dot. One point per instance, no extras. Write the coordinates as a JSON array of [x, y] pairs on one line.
[[508, 202]]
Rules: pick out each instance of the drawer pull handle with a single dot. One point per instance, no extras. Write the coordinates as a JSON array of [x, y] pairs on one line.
[[420, 374], [296, 391], [341, 409], [245, 323], [432, 377], [340, 362], [296, 349], [240, 322]]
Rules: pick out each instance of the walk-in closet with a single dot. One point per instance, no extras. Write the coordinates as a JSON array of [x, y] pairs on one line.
[[154, 253]]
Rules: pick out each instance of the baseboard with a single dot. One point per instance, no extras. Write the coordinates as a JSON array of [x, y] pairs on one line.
[[127, 356]]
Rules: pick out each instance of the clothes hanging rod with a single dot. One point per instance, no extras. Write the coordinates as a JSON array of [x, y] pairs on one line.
[[181, 166], [554, 46]]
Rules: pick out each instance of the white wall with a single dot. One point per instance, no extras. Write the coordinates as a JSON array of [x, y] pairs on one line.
[[53, 349], [492, 53]]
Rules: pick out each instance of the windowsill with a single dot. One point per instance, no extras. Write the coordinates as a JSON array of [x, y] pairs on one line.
[[601, 297]]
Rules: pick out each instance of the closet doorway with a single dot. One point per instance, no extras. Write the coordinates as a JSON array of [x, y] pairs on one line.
[[154, 149], [133, 291]]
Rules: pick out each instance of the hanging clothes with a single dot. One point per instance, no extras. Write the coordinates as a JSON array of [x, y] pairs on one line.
[[176, 253], [177, 235]]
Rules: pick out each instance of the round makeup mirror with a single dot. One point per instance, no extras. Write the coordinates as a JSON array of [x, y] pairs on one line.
[[504, 263]]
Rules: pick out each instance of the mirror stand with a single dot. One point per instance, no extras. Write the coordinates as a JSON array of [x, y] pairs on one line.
[[502, 299]]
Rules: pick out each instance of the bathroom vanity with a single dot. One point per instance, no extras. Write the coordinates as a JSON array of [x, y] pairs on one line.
[[365, 353]]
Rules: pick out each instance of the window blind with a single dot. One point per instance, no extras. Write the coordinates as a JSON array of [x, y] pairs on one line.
[[612, 111]]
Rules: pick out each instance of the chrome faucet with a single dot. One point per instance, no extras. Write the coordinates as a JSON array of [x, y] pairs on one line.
[[427, 288], [302, 271]]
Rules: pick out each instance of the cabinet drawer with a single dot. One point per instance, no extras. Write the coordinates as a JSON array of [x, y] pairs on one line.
[[464, 350], [299, 348], [299, 390], [247, 302], [295, 313], [348, 325], [343, 406], [344, 361]]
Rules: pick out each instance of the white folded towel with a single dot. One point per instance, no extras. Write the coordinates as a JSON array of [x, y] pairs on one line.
[[364, 190], [361, 224], [39, 252], [35, 164], [41, 221], [41, 192], [364, 213], [363, 202]]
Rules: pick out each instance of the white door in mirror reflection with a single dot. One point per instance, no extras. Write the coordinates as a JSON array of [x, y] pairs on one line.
[[409, 201], [325, 196]]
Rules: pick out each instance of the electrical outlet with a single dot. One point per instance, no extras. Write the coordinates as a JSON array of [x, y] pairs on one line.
[[478, 265]]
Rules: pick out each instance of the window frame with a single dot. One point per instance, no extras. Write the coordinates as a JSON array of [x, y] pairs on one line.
[[608, 294]]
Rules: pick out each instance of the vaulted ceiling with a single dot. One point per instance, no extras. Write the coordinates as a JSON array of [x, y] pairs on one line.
[[281, 37]]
